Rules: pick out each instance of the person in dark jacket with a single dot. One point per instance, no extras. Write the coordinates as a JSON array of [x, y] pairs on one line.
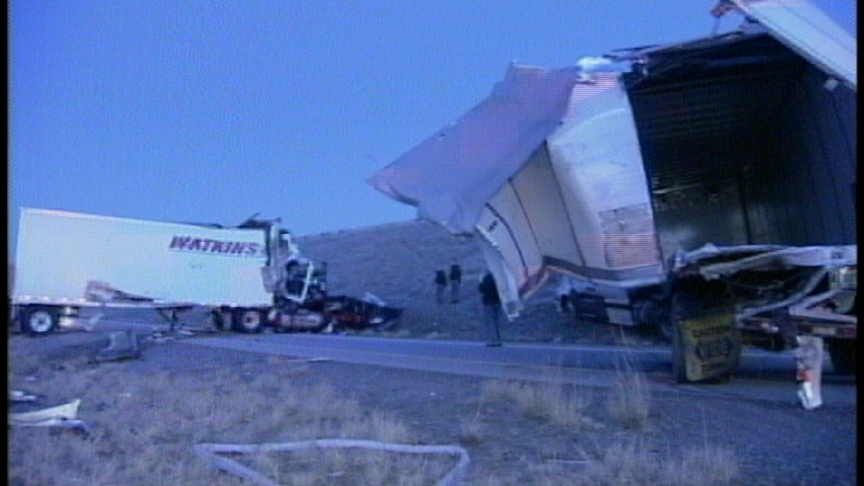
[[491, 309], [455, 282], [440, 285]]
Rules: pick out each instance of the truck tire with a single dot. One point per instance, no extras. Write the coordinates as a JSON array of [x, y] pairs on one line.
[[679, 368], [842, 353], [248, 321], [39, 321], [220, 319], [656, 314]]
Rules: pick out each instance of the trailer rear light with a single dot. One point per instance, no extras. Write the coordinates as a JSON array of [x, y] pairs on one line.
[[831, 331], [848, 332], [824, 331]]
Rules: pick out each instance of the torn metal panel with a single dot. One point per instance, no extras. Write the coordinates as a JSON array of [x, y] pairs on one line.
[[453, 173], [104, 292]]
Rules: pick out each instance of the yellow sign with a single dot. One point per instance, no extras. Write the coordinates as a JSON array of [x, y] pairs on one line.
[[711, 345]]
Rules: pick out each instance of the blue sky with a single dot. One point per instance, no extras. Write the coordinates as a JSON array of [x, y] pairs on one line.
[[211, 111]]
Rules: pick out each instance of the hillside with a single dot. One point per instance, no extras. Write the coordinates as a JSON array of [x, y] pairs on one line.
[[397, 262]]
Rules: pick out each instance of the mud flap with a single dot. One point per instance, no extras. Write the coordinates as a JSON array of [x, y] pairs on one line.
[[706, 344], [710, 346]]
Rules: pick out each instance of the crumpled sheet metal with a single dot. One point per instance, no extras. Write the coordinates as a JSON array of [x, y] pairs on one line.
[[65, 416], [766, 255], [121, 345], [210, 453], [105, 292]]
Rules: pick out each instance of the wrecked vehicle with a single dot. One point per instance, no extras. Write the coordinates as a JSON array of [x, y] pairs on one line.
[[249, 277], [705, 187]]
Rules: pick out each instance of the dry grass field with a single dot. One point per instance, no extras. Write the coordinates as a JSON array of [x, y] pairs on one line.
[[144, 425]]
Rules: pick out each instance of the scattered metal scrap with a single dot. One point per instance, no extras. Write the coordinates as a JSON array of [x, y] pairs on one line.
[[21, 396], [64, 416], [121, 345]]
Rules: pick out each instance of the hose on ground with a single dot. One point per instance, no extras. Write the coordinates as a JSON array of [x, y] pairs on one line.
[[210, 453]]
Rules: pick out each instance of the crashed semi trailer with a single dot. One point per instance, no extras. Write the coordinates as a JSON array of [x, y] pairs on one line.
[[707, 187], [67, 261]]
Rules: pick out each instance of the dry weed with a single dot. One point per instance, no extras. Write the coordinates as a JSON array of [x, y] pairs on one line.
[[549, 399], [349, 467], [708, 465], [472, 429], [631, 464], [629, 401]]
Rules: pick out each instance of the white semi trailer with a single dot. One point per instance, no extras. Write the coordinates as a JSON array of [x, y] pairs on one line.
[[707, 187], [249, 276]]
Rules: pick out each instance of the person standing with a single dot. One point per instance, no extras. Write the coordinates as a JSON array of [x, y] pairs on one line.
[[562, 291], [491, 309], [455, 282], [440, 285]]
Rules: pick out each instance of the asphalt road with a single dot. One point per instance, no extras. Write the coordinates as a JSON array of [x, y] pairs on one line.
[[761, 376]]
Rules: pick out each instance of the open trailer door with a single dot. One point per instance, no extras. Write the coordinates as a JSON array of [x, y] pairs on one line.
[[806, 30]]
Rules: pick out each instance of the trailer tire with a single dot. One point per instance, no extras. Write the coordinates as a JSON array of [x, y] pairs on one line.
[[842, 353], [39, 321], [248, 321], [679, 367], [220, 319], [655, 313]]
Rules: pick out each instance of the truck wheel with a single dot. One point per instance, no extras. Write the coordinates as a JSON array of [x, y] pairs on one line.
[[248, 321], [656, 314], [676, 315], [842, 353], [219, 319], [39, 321], [679, 368]]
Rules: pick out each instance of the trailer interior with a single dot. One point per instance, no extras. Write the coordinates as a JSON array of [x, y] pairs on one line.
[[749, 135]]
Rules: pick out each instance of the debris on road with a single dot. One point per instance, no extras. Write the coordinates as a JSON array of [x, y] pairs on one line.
[[121, 345], [20, 396]]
